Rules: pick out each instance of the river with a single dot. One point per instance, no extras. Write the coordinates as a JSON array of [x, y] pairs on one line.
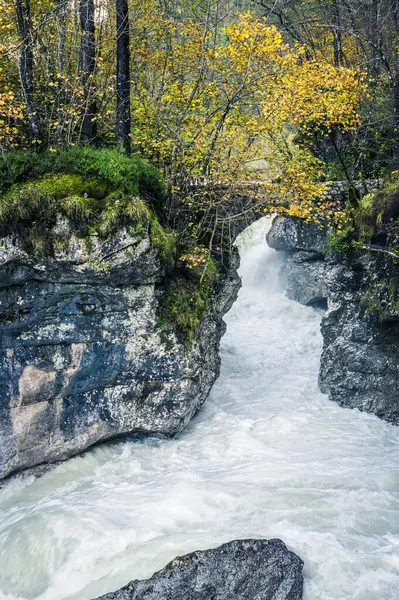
[[267, 456]]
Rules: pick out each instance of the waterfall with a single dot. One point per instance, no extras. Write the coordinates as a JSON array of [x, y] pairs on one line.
[[267, 456]]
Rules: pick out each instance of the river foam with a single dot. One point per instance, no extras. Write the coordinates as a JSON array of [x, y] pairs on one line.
[[267, 456]]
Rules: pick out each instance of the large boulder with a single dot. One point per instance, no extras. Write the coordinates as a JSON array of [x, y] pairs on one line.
[[239, 570], [292, 234], [82, 356], [305, 277]]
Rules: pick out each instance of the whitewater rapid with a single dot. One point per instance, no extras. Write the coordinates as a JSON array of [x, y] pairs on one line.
[[267, 456]]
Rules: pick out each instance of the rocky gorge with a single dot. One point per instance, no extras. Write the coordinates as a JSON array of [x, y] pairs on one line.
[[111, 329], [360, 329], [267, 456], [88, 353]]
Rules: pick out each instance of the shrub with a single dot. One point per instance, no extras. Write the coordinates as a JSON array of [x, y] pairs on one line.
[[187, 297]]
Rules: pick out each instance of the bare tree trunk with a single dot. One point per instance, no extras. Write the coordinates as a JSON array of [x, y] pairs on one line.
[[123, 116], [26, 66], [396, 82], [88, 53], [62, 6], [337, 33], [61, 16]]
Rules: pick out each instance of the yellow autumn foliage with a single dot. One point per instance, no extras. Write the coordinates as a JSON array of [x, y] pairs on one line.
[[229, 109], [207, 104]]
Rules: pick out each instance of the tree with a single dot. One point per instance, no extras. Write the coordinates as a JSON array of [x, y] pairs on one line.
[[23, 11], [395, 15], [212, 94], [88, 54], [354, 33], [123, 116]]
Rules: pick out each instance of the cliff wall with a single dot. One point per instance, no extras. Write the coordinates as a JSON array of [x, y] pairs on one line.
[[360, 289]]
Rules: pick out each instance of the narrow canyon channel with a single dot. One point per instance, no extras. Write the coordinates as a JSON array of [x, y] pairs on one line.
[[267, 456]]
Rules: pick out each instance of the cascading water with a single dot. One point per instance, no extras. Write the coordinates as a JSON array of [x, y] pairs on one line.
[[268, 456]]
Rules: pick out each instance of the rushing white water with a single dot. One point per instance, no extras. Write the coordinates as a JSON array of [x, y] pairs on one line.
[[268, 456]]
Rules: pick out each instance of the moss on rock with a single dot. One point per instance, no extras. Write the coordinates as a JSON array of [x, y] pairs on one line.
[[97, 190], [378, 209], [187, 297], [133, 175], [41, 200]]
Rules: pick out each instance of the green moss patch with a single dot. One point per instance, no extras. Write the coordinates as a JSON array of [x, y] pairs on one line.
[[97, 190], [133, 175], [41, 200], [187, 297]]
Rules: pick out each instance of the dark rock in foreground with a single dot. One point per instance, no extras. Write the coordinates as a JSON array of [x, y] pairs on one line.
[[238, 570]]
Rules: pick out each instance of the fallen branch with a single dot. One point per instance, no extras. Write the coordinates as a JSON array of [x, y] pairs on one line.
[[376, 248]]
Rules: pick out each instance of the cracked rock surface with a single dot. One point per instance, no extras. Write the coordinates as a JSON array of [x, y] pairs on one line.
[[81, 357], [238, 570]]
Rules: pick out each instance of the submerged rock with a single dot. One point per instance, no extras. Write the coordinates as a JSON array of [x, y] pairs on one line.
[[82, 357], [360, 360], [238, 570]]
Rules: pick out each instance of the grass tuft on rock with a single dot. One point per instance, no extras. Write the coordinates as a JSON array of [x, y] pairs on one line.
[[165, 241], [97, 190]]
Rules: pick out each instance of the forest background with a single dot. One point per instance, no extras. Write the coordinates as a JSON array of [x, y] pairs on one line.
[[222, 93]]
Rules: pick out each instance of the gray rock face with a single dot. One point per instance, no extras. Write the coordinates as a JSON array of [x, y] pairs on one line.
[[306, 279], [360, 360], [294, 235], [305, 271], [239, 570], [81, 356]]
